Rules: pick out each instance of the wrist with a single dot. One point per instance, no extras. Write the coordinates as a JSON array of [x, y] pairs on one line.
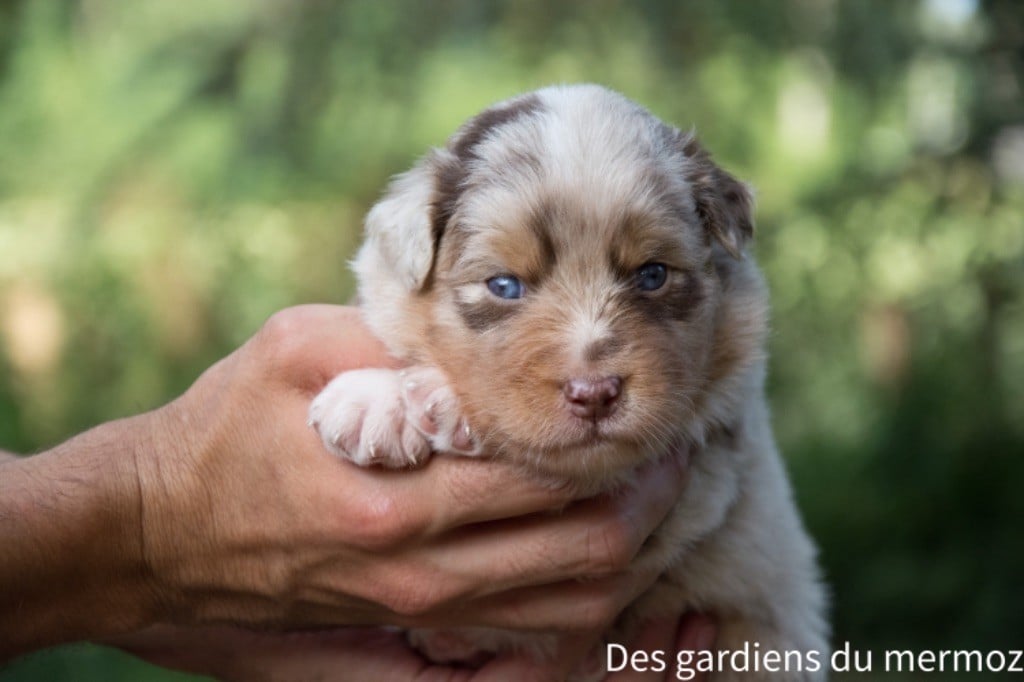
[[70, 521], [174, 492]]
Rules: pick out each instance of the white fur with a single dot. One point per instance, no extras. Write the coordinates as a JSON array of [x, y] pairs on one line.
[[391, 418]]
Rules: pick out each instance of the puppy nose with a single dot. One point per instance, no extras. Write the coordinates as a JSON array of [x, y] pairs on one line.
[[592, 398]]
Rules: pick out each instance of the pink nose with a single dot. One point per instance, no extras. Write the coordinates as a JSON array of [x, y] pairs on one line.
[[592, 398]]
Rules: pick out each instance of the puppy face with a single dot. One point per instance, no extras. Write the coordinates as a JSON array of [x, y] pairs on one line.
[[576, 267]]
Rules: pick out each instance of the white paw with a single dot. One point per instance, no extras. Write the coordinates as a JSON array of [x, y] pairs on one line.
[[433, 410], [361, 416]]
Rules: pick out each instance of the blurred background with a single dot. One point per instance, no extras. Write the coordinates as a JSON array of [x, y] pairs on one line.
[[172, 172]]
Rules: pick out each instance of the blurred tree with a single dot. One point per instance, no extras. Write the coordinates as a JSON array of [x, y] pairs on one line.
[[171, 173]]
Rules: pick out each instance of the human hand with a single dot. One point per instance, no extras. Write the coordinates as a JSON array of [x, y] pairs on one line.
[[230, 653], [693, 632], [247, 519], [223, 507], [360, 653]]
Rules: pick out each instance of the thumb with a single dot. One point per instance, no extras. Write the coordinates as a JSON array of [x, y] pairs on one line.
[[308, 345]]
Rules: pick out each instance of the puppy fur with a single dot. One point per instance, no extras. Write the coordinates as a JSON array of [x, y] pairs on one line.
[[572, 190]]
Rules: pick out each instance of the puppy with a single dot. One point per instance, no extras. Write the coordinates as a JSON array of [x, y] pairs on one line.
[[568, 279]]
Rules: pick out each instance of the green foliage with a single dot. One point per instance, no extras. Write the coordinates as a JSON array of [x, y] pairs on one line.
[[173, 172]]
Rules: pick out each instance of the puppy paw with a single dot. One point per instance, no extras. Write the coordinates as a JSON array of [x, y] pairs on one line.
[[432, 409], [361, 416]]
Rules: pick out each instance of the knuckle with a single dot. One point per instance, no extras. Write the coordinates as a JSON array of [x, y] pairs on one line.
[[382, 522], [597, 613], [412, 595], [611, 548], [407, 603], [281, 325], [281, 337]]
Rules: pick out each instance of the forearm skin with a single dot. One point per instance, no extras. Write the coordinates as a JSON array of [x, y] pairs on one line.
[[71, 560]]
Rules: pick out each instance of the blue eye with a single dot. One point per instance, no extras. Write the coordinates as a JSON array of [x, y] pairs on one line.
[[651, 276], [505, 286]]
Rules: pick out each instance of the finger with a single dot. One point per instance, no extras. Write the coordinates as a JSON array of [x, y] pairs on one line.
[[655, 644], [328, 656], [451, 492], [465, 490], [311, 344], [341, 334], [236, 654], [471, 490], [697, 632], [341, 655], [594, 537], [568, 606]]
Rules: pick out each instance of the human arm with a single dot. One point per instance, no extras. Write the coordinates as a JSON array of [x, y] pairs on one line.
[[222, 507], [69, 528]]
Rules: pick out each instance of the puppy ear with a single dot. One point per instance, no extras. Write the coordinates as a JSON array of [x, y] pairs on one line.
[[399, 226], [725, 205], [404, 229]]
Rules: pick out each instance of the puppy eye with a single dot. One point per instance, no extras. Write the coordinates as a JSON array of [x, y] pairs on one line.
[[651, 276], [505, 286]]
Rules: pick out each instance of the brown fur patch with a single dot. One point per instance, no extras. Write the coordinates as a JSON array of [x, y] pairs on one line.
[[452, 175], [480, 126], [676, 301], [724, 204], [644, 239], [485, 314], [540, 224]]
